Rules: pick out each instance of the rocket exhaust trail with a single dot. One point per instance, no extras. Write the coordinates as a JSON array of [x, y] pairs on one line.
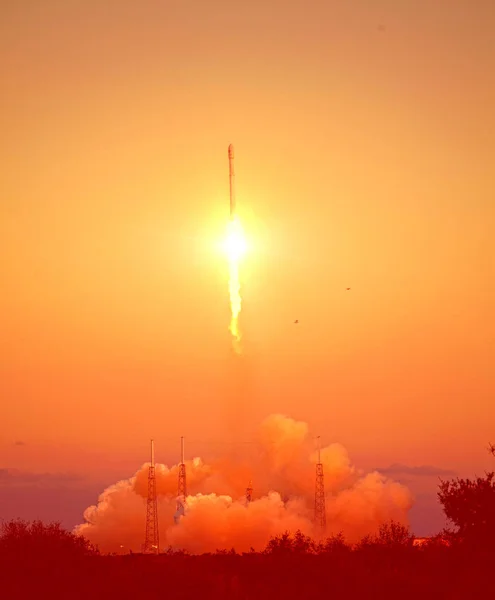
[[235, 250]]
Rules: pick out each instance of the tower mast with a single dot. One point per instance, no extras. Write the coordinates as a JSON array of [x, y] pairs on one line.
[[320, 517], [151, 541], [181, 485]]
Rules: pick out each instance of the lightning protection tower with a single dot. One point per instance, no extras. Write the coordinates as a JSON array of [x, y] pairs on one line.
[[151, 541], [320, 514]]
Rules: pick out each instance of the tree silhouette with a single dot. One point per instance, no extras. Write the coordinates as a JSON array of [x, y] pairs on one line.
[[290, 544], [390, 535], [335, 545], [394, 534], [44, 542], [470, 506], [44, 561]]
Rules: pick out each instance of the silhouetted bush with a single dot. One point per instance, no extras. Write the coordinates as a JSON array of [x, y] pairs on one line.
[[45, 561], [22, 540], [287, 544], [470, 506]]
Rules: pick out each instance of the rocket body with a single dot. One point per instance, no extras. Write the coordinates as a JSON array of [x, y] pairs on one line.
[[232, 182]]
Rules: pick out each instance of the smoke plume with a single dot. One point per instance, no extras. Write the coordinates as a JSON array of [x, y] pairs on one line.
[[217, 515]]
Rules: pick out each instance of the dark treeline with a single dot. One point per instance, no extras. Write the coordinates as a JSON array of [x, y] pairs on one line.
[[45, 561]]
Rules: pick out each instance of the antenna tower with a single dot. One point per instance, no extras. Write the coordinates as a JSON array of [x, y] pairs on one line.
[[320, 514], [151, 542], [181, 485]]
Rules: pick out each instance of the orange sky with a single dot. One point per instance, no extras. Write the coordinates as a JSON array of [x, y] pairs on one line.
[[364, 135]]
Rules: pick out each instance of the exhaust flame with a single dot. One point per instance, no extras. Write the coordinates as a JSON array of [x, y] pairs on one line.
[[235, 248]]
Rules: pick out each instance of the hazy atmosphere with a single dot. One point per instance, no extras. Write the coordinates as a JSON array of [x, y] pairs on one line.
[[364, 136]]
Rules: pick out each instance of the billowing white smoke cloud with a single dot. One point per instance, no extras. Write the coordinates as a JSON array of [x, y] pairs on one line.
[[217, 514]]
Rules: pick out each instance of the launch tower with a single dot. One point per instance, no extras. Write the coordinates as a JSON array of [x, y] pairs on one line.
[[151, 541], [320, 513]]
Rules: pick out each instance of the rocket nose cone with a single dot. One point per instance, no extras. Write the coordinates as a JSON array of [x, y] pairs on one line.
[[231, 151]]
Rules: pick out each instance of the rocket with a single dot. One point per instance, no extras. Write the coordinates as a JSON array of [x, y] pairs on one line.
[[231, 181]]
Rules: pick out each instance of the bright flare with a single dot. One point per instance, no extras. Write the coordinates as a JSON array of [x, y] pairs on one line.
[[235, 248]]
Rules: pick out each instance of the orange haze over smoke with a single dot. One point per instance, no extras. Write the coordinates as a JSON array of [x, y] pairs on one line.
[[217, 515]]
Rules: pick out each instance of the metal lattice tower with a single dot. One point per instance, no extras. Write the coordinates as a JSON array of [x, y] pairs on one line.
[[151, 541], [181, 485], [249, 492], [320, 513]]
